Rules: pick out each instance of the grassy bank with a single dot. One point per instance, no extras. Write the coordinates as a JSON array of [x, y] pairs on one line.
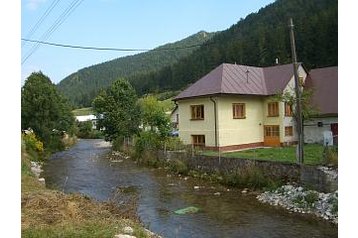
[[83, 111], [51, 213], [313, 154]]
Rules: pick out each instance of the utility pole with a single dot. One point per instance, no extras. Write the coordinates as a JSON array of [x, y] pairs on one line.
[[298, 96]]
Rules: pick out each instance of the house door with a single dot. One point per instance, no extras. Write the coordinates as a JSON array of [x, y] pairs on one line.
[[334, 129], [272, 135]]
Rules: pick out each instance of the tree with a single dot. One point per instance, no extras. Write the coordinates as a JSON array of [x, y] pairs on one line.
[[153, 116], [308, 110], [117, 110], [43, 108]]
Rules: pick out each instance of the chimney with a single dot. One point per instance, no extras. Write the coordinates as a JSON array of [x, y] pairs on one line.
[[247, 75], [276, 61]]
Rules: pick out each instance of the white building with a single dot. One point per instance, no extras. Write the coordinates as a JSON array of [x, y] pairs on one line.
[[324, 83]]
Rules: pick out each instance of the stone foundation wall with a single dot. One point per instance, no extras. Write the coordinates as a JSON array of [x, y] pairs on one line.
[[311, 176]]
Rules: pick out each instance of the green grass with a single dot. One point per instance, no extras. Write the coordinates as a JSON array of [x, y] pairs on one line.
[[83, 111], [312, 154]]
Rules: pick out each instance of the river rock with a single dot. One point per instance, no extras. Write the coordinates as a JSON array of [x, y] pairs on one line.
[[196, 187], [42, 180], [217, 194], [124, 236], [128, 230]]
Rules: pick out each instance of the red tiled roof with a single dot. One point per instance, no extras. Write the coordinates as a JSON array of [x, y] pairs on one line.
[[324, 83], [240, 79]]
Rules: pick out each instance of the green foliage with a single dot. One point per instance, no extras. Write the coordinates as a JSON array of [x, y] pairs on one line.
[[117, 110], [86, 131], [307, 108], [147, 141], [330, 156], [174, 143], [32, 143], [154, 117], [311, 197], [178, 166], [44, 109], [247, 176], [83, 86]]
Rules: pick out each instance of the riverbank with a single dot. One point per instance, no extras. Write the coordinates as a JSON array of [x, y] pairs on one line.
[[255, 180], [300, 200], [51, 213]]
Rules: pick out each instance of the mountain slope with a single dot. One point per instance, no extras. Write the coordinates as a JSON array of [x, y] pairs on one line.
[[81, 87], [257, 40]]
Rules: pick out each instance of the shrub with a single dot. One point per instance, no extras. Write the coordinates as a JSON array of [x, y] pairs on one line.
[[32, 143], [248, 176], [311, 197], [33, 146], [179, 167], [330, 156], [174, 143]]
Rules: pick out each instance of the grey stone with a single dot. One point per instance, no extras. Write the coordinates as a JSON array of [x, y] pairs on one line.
[[128, 230]]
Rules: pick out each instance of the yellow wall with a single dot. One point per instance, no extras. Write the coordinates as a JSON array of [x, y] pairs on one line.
[[240, 131], [188, 127]]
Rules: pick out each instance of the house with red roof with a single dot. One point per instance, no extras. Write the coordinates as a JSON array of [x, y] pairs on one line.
[[234, 107], [324, 84]]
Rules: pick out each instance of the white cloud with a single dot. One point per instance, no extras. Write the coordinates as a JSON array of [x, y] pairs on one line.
[[34, 4]]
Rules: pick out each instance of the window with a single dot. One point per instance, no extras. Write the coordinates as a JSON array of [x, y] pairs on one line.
[[273, 109], [288, 110], [238, 110], [197, 112], [272, 131], [288, 131], [198, 140]]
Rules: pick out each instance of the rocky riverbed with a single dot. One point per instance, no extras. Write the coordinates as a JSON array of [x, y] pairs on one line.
[[297, 199]]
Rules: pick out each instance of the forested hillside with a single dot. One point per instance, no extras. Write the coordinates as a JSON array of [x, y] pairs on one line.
[[82, 87], [258, 40]]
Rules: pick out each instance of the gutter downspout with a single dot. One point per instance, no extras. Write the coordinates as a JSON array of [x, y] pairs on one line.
[[215, 127]]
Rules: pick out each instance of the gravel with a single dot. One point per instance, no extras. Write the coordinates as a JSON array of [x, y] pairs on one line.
[[298, 199]]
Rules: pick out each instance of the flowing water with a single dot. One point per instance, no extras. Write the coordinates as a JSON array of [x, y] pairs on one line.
[[85, 169]]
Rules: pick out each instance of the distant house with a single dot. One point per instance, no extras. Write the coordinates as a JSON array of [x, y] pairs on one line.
[[324, 83], [233, 107], [91, 118]]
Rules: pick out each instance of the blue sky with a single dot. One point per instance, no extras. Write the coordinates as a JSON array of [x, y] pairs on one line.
[[120, 24]]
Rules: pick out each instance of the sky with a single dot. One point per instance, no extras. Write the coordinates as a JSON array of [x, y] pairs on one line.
[[135, 24]]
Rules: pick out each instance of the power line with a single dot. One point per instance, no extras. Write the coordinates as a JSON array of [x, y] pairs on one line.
[[107, 48], [42, 18], [74, 4]]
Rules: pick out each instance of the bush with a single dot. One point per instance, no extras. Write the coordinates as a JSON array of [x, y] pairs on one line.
[[86, 131], [146, 141], [174, 143], [248, 176], [32, 143], [330, 156], [311, 197], [178, 166]]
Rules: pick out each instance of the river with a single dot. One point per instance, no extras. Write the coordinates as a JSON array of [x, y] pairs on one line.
[[84, 168]]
